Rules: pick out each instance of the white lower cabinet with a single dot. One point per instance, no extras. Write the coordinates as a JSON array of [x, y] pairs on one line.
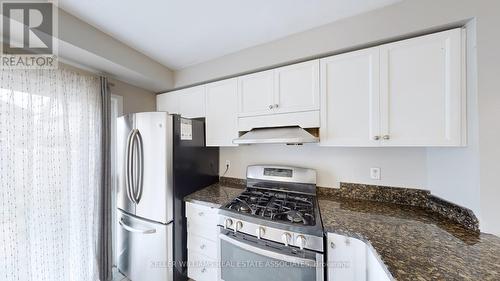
[[202, 242], [350, 259], [374, 269]]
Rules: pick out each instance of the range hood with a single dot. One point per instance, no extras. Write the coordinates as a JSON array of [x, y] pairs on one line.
[[286, 135]]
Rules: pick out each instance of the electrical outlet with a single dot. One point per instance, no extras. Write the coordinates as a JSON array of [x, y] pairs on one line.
[[228, 163], [375, 173]]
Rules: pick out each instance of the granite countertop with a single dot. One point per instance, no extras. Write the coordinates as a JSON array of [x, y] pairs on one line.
[[414, 243], [217, 194]]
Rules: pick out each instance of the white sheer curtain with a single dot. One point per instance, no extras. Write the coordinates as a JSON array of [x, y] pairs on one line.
[[49, 175]]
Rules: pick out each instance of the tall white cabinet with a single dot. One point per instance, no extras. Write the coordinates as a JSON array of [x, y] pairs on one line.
[[407, 93], [221, 113], [350, 94], [421, 90]]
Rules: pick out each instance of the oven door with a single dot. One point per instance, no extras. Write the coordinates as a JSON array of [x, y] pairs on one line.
[[246, 258]]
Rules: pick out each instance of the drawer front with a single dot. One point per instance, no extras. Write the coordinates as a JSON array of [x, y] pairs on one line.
[[207, 230], [201, 214], [201, 268], [202, 221], [202, 245]]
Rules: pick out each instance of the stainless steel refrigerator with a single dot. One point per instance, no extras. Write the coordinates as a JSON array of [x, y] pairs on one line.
[[160, 159]]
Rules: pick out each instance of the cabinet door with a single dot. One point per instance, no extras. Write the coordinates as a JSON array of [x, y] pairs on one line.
[[192, 102], [296, 87], [346, 258], [374, 268], [256, 94], [421, 91], [221, 111], [168, 102], [350, 99]]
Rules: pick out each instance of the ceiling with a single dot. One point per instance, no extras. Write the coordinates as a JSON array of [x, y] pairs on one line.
[[181, 33]]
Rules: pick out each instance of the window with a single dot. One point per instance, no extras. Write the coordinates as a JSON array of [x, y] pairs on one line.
[[49, 175]]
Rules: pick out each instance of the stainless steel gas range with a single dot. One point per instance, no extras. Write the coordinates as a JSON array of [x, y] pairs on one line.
[[273, 230]]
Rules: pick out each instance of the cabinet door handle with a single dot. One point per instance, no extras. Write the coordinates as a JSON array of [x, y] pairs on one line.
[[386, 137], [202, 246], [376, 138], [203, 270], [271, 106], [276, 105], [332, 245]]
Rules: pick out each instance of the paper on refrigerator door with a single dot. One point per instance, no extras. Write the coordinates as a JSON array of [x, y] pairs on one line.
[[186, 129]]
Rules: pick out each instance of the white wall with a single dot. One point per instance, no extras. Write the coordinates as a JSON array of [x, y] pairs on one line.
[[135, 99], [399, 166], [466, 176]]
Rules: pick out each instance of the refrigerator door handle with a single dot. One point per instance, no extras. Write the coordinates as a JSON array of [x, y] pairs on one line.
[[135, 230], [140, 167], [129, 168]]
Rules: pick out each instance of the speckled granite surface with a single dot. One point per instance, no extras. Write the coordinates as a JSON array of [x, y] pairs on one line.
[[414, 243], [406, 196], [217, 194]]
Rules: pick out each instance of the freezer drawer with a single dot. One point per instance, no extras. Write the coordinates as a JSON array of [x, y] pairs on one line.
[[144, 249]]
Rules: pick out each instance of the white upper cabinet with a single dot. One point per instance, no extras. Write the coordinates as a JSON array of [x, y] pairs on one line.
[[350, 99], [288, 89], [168, 102], [221, 108], [256, 94], [192, 102], [408, 93], [296, 87], [189, 103], [422, 100]]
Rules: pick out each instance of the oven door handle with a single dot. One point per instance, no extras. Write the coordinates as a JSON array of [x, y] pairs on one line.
[[268, 253]]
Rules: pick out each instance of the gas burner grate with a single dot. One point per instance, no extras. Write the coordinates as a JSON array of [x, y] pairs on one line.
[[276, 205]]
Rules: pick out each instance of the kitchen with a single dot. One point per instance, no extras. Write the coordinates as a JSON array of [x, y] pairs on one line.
[[328, 141]]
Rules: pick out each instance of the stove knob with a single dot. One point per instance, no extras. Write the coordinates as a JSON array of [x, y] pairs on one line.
[[238, 226], [301, 241], [228, 223], [285, 237], [260, 232]]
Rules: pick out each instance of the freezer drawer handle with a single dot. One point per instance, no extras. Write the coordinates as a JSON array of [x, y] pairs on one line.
[[135, 230]]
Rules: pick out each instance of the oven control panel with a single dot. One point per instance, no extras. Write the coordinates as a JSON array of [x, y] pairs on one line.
[[287, 238]]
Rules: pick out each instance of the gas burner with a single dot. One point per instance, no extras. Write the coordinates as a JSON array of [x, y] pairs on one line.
[[295, 216], [276, 205], [244, 209]]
